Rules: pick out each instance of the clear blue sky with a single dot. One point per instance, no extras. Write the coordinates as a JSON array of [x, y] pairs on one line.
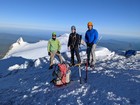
[[108, 16]]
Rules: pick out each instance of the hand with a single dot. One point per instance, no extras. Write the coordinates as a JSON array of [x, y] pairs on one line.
[[58, 52], [90, 44], [87, 44], [82, 42], [49, 53]]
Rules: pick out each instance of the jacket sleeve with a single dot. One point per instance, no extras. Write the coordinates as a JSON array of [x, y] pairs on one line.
[[48, 46], [96, 37], [69, 40], [59, 45], [86, 40]]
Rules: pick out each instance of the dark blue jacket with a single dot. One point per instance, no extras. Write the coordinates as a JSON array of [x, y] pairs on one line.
[[91, 36], [74, 40]]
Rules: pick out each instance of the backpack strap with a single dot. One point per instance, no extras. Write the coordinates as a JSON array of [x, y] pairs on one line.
[[73, 44]]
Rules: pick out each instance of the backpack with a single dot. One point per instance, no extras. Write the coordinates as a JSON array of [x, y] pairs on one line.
[[61, 74], [129, 53]]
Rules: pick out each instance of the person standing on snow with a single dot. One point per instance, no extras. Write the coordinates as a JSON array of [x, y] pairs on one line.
[[73, 45], [54, 48], [91, 38]]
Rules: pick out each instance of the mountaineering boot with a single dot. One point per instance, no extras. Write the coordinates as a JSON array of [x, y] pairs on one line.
[[92, 66], [71, 64], [51, 67]]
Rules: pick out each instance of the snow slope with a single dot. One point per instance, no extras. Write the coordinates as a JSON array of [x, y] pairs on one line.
[[25, 78]]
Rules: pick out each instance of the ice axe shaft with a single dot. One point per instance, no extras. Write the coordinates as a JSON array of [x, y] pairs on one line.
[[86, 71], [80, 75]]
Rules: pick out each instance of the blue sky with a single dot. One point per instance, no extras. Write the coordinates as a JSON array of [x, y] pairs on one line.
[[118, 17]]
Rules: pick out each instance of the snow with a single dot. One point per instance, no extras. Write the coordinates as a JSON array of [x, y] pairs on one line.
[[39, 49], [14, 67], [25, 78], [29, 51]]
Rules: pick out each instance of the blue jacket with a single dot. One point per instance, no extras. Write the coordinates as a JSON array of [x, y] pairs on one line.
[[91, 36]]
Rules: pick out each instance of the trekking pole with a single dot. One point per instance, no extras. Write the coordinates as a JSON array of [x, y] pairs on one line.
[[80, 75], [99, 40]]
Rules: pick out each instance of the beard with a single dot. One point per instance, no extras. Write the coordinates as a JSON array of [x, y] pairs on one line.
[[54, 38]]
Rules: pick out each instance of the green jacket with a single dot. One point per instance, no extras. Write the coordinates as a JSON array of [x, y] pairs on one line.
[[54, 45]]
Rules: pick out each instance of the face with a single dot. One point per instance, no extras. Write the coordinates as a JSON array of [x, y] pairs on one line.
[[53, 36], [90, 27], [73, 30]]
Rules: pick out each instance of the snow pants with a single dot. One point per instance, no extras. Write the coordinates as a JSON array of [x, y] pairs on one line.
[[52, 57], [91, 57]]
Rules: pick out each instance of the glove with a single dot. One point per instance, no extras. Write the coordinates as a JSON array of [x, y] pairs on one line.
[[58, 52], [49, 53]]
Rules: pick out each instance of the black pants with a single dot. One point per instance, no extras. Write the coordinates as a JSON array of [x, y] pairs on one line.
[[76, 51], [88, 53]]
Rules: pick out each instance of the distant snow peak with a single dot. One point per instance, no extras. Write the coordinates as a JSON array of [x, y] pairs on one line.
[[18, 43], [20, 40]]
